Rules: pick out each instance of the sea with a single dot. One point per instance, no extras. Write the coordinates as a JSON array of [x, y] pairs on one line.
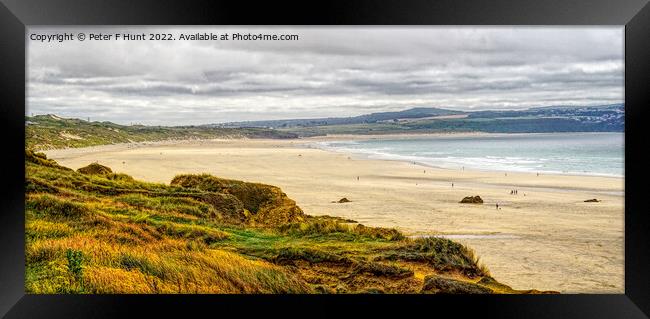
[[600, 154]]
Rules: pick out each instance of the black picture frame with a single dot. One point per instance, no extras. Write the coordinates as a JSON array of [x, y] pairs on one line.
[[15, 15]]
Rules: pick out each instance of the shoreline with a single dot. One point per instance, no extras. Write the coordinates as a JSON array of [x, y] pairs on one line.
[[307, 142], [555, 241], [369, 157], [387, 157]]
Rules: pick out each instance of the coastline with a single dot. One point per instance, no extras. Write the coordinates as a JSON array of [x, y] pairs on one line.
[[366, 156], [540, 240], [322, 143], [309, 142]]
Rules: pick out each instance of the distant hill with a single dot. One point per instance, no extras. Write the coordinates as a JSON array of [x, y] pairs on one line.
[[603, 118], [51, 131], [413, 113]]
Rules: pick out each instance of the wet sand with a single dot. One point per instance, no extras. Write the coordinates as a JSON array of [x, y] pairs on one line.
[[549, 239]]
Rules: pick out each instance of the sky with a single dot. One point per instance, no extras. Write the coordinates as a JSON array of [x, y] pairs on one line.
[[328, 71]]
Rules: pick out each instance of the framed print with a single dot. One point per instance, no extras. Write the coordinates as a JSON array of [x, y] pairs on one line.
[[166, 157]]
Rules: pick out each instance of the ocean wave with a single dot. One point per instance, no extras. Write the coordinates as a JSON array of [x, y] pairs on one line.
[[551, 159]]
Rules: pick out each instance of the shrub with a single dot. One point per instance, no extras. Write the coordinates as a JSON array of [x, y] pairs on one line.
[[75, 264]]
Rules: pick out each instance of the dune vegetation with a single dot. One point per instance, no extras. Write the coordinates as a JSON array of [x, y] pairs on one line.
[[51, 131], [97, 231]]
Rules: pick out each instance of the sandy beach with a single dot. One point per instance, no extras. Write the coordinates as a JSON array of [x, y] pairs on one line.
[[547, 239]]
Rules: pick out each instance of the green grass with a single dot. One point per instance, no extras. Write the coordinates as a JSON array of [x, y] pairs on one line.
[[517, 124], [50, 132], [94, 231]]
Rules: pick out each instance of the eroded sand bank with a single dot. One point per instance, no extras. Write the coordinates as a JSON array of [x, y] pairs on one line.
[[549, 239]]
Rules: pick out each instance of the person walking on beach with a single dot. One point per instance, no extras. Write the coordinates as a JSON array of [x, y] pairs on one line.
[[497, 206], [357, 177], [452, 185]]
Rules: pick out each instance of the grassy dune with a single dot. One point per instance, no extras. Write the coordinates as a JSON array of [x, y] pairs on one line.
[[95, 231], [50, 132]]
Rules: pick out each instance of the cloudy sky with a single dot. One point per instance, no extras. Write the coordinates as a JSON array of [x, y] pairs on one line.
[[329, 71]]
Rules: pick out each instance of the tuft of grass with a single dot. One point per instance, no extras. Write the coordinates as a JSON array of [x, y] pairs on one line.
[[56, 207], [38, 158], [41, 229], [267, 204], [192, 232], [36, 185], [379, 232], [95, 169], [180, 205], [291, 254], [443, 254], [314, 227], [325, 225]]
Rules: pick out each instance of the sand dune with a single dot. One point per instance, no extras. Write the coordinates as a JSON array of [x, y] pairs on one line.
[[549, 239]]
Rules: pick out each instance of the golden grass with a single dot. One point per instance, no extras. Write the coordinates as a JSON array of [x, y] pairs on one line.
[[102, 234], [165, 266]]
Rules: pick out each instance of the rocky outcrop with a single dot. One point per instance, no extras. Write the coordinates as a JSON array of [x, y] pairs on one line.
[[472, 200]]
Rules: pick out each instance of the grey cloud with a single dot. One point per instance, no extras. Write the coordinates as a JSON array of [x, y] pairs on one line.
[[332, 71]]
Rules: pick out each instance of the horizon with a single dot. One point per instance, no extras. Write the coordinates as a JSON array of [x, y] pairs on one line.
[[132, 123]]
